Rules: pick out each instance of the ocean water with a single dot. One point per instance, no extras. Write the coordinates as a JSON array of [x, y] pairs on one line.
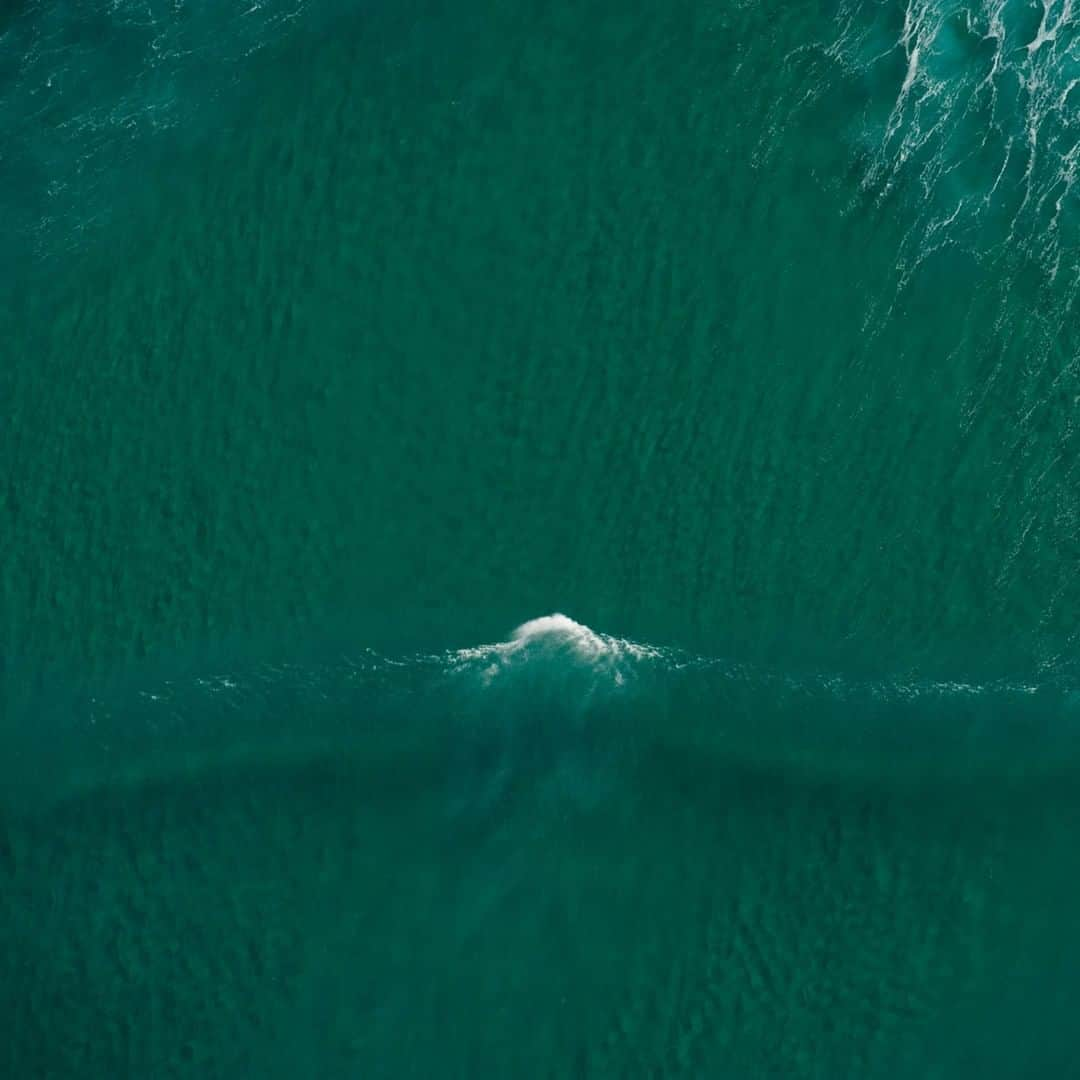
[[539, 539]]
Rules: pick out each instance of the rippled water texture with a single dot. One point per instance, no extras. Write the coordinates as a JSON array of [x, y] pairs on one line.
[[725, 350], [86, 89]]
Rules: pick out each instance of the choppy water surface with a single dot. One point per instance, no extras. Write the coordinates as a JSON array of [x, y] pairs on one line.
[[341, 339]]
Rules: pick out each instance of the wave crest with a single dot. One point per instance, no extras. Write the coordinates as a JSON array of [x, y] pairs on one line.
[[559, 701], [556, 639]]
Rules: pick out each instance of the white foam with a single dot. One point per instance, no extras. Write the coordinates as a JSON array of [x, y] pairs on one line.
[[562, 630], [979, 124], [557, 638]]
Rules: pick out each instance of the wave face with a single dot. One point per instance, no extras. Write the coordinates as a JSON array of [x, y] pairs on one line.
[[723, 448], [563, 848]]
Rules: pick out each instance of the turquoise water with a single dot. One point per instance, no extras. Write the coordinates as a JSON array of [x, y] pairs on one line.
[[539, 540]]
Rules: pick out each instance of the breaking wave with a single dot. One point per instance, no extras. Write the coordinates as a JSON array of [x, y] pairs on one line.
[[561, 700]]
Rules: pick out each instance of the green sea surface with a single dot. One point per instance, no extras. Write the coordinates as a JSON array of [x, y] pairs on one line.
[[539, 539]]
